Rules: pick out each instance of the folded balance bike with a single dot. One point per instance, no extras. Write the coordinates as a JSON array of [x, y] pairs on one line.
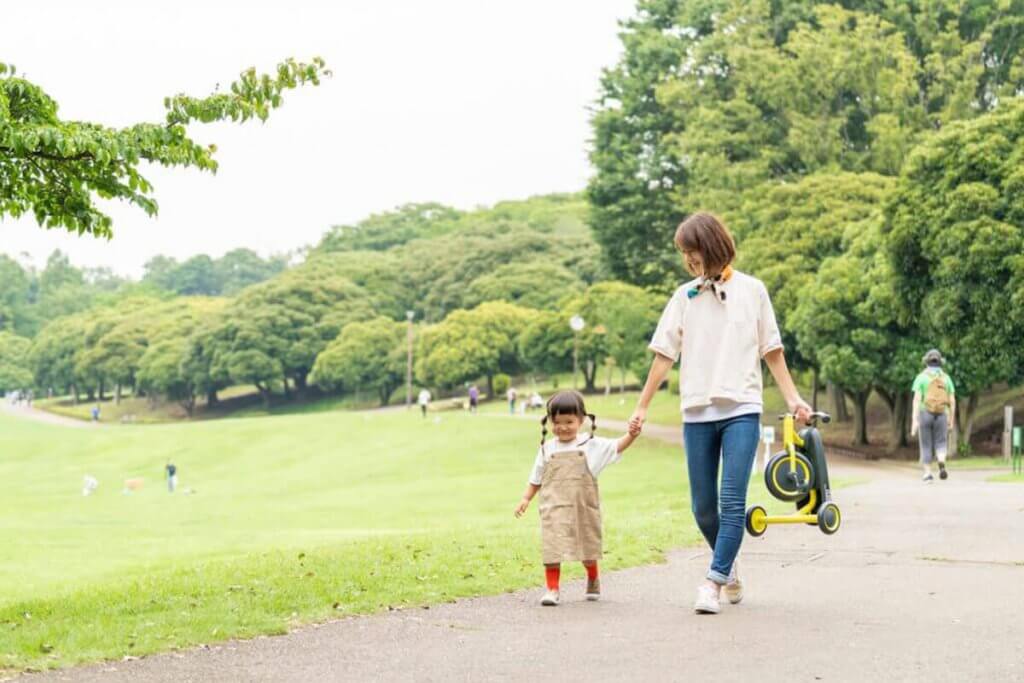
[[798, 474]]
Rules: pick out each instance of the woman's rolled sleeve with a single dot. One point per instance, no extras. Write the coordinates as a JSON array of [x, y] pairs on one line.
[[668, 337]]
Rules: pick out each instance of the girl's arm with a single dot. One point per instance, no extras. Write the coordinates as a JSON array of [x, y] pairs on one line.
[[659, 368], [776, 361], [627, 440], [528, 494]]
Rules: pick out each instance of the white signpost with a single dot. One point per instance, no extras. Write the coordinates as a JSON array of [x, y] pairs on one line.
[[768, 438]]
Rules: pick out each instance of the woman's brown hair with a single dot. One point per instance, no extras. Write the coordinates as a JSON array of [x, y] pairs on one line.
[[704, 233]]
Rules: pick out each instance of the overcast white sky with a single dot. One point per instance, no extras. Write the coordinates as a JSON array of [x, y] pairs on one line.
[[465, 102]]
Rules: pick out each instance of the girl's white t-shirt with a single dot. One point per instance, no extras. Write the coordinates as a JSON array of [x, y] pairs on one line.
[[599, 452]]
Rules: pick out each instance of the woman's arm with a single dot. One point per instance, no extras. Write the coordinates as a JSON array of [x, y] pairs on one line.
[[655, 376], [776, 361]]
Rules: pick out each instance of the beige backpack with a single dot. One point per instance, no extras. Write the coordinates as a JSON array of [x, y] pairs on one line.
[[936, 396]]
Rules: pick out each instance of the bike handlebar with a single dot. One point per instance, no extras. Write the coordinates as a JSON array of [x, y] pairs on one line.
[[818, 415]]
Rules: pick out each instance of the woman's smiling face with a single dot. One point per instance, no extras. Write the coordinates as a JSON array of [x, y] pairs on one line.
[[693, 261]]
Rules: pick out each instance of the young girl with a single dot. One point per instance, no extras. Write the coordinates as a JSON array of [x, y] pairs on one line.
[[565, 473]]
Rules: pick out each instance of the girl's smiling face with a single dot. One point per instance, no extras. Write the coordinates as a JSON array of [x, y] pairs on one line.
[[566, 426]]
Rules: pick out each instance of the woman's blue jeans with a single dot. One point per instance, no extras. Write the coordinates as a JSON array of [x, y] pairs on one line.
[[732, 442]]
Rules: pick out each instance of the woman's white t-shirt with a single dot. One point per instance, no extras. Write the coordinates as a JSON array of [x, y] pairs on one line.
[[599, 452], [720, 344]]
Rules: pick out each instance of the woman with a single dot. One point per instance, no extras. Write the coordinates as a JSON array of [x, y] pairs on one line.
[[721, 325]]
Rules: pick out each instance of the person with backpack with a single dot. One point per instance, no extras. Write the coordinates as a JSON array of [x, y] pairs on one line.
[[933, 413]]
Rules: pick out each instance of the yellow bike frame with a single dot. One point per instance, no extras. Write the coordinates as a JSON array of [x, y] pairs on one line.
[[791, 440]]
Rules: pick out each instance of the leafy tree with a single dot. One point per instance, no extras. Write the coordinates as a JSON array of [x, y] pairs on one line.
[[955, 234], [54, 168], [54, 353], [794, 227], [620, 319], [471, 344], [14, 294], [369, 354], [164, 367], [15, 372], [273, 332], [197, 276], [850, 330], [545, 344], [383, 231], [712, 99], [536, 284], [240, 268]]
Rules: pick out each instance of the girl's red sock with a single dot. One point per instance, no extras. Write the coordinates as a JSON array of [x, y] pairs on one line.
[[552, 574], [591, 571]]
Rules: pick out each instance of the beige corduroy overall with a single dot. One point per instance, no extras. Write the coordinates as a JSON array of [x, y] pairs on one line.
[[570, 510]]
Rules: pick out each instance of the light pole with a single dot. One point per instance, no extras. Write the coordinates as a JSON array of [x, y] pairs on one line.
[[576, 323], [408, 356]]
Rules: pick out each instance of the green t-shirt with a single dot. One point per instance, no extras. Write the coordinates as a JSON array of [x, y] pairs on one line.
[[922, 381]]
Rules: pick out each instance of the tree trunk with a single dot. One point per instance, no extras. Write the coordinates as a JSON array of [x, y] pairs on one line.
[[385, 394], [74, 393], [90, 394], [589, 375], [622, 380], [189, 404], [838, 402], [814, 390], [300, 385], [890, 402], [287, 390], [117, 394], [265, 393], [101, 389], [903, 407], [211, 398], [608, 383], [970, 413], [860, 416], [899, 411], [490, 386]]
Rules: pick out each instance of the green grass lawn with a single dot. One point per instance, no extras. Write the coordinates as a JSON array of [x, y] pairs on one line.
[[293, 519], [1008, 478], [978, 462]]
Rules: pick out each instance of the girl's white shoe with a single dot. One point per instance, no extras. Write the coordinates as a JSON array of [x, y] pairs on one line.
[[550, 599], [707, 601]]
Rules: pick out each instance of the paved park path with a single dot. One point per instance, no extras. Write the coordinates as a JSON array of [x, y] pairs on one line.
[[32, 413], [922, 583]]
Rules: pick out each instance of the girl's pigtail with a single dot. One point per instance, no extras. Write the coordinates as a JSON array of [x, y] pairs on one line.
[[543, 431], [593, 426]]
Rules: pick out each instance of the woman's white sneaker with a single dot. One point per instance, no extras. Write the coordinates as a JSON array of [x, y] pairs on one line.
[[734, 589], [707, 601]]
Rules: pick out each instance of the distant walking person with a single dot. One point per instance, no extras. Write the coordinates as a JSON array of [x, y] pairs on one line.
[[512, 396], [96, 413], [474, 398], [172, 477], [424, 401], [933, 413]]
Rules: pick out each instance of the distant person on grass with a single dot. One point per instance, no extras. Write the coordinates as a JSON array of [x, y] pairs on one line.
[[96, 413], [172, 477], [720, 326], [424, 400], [565, 473], [512, 396], [933, 413], [474, 398]]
